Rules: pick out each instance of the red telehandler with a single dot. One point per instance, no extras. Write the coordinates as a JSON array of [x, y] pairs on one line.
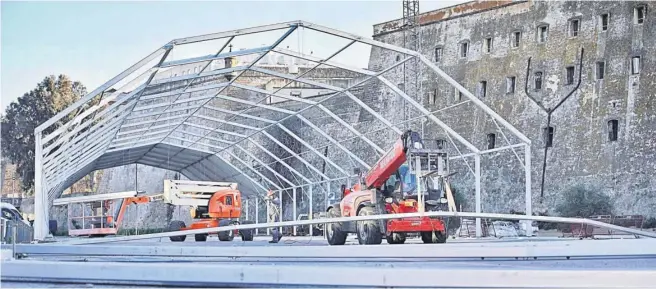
[[407, 179]]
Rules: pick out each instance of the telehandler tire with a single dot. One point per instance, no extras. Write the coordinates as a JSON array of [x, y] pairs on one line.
[[176, 226], [334, 233], [226, 235], [368, 231], [395, 238], [433, 237], [247, 234], [200, 237]]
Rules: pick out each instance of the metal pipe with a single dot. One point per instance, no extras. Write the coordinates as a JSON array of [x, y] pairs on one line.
[[257, 214], [477, 166], [294, 208], [311, 205], [13, 241], [369, 217]]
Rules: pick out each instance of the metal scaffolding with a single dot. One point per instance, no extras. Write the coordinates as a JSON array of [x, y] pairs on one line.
[[174, 122]]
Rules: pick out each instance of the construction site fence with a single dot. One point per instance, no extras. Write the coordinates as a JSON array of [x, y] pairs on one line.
[[11, 229]]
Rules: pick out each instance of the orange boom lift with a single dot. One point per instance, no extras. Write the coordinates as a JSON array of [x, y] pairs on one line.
[[213, 204]]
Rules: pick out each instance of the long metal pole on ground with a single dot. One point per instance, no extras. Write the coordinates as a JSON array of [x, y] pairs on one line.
[[477, 160], [371, 217]]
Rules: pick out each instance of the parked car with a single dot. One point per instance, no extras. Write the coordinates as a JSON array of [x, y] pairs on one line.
[[10, 216]]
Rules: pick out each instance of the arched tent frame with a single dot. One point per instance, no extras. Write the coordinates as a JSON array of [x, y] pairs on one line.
[[107, 127]]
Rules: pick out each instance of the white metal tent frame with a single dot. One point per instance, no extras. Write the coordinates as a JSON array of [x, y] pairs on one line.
[[104, 134]]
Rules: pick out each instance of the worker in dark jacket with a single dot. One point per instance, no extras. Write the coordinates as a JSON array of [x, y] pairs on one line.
[[273, 205]]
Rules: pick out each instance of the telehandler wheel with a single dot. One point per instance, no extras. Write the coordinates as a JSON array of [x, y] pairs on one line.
[[395, 238], [433, 237], [368, 231], [247, 234], [226, 235], [200, 237], [176, 226], [334, 233]]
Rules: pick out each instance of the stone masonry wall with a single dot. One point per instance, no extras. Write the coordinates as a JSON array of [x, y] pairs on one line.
[[582, 153]]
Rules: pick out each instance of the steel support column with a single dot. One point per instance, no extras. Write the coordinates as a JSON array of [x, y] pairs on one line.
[[310, 199], [528, 195], [40, 197], [325, 196], [246, 208], [257, 214], [294, 208], [281, 216], [477, 161]]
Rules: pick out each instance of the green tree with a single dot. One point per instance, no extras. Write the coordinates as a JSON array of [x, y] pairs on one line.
[[22, 116]]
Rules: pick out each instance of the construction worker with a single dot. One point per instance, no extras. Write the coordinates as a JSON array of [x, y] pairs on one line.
[[273, 205]]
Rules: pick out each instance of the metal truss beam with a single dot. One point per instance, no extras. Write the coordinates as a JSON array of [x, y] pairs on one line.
[[197, 76], [332, 140], [122, 119], [103, 87], [75, 145], [239, 114], [237, 32], [337, 89], [321, 61], [251, 103], [242, 173], [326, 98], [182, 108], [218, 56], [234, 79], [265, 166], [297, 156], [473, 98], [120, 148], [429, 115], [320, 106], [100, 117], [272, 155], [181, 101], [307, 145], [225, 122], [79, 149], [104, 101]]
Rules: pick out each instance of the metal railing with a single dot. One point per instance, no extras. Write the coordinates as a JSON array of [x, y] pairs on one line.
[[15, 232]]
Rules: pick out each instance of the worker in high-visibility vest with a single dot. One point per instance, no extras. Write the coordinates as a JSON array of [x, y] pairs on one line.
[[273, 203]]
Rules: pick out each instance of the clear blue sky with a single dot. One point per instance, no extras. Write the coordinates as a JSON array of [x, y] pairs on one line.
[[93, 41]]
